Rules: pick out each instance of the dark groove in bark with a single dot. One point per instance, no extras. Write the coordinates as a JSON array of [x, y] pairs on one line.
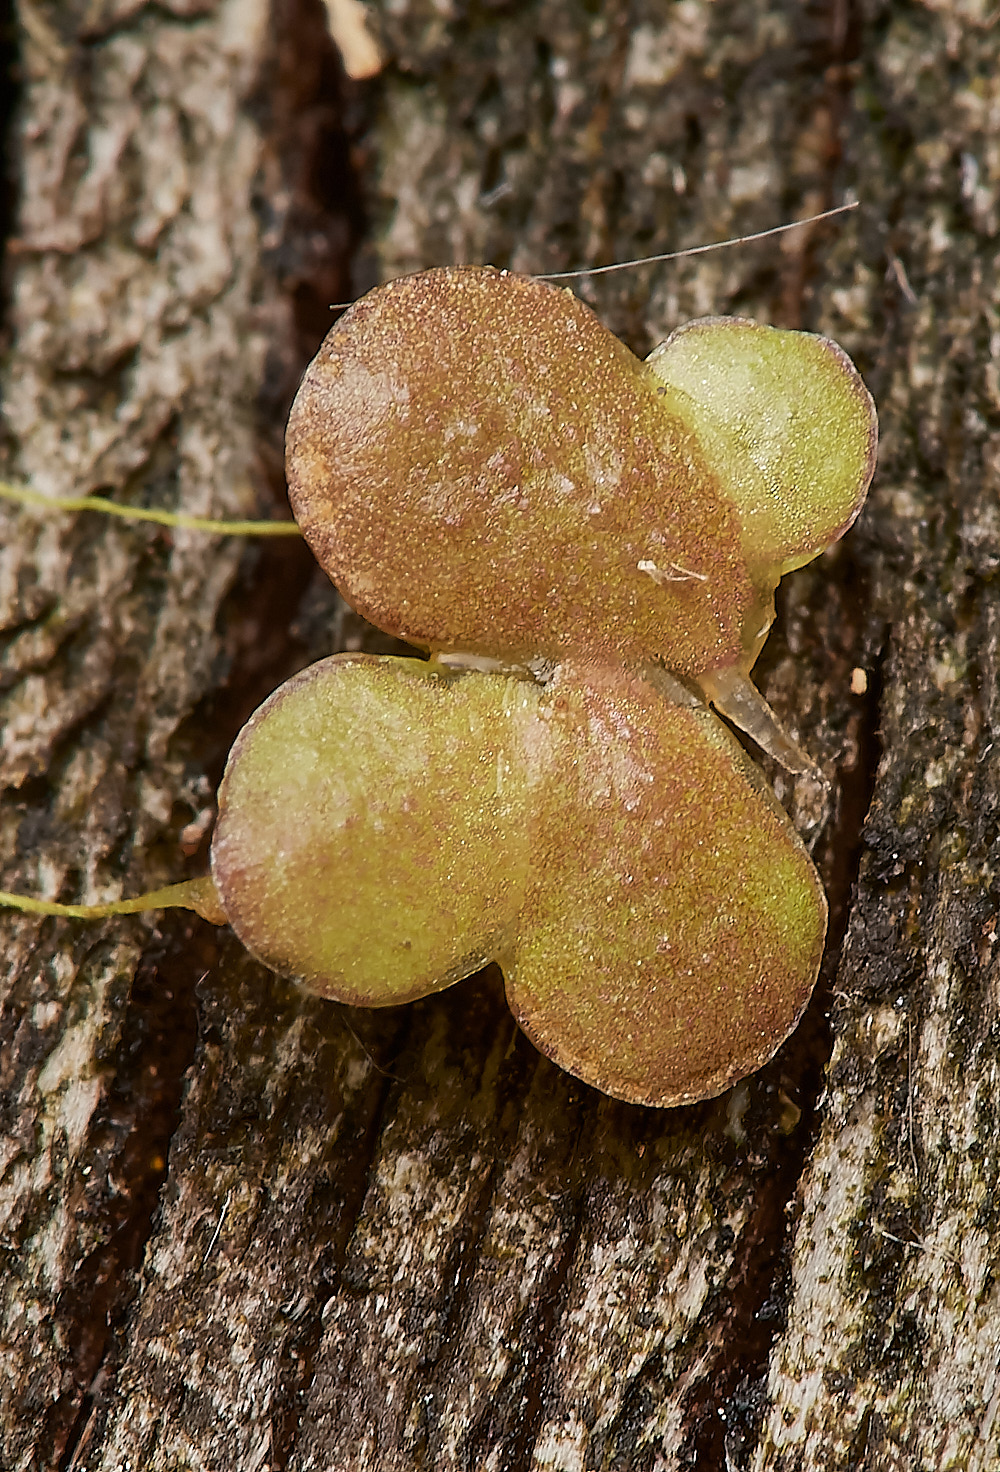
[[156, 1048], [553, 1307], [507, 1425], [302, 1352]]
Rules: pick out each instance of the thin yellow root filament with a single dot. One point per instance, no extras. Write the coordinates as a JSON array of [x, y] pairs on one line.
[[25, 496], [195, 894]]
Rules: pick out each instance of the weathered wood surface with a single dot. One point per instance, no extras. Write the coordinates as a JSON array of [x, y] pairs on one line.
[[243, 1230]]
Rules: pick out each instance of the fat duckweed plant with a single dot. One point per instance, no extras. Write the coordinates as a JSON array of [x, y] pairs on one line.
[[587, 545]]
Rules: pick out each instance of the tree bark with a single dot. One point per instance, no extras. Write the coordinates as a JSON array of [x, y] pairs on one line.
[[243, 1228]]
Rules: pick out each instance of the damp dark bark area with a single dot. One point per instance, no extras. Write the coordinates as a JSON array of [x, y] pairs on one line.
[[244, 1229]]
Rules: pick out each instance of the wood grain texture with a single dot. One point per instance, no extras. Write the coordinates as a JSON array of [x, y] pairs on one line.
[[245, 1229]]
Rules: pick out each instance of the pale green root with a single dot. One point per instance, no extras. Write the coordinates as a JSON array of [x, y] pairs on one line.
[[25, 496], [195, 894]]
